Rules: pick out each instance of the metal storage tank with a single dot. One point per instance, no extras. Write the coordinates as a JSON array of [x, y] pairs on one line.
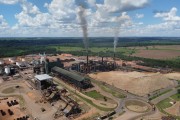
[[1, 62], [7, 70], [18, 63], [23, 59]]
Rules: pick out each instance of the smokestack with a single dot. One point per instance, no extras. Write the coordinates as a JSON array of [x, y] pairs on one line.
[[87, 59], [87, 63], [102, 60], [83, 24], [114, 56], [115, 44]]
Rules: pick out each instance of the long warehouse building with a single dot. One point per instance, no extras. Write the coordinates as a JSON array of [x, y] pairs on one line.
[[72, 78]]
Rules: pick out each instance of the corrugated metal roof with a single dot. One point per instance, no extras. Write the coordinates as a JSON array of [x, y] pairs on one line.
[[43, 77], [69, 74]]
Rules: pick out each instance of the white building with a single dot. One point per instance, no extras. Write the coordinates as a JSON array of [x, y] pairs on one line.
[[43, 81]]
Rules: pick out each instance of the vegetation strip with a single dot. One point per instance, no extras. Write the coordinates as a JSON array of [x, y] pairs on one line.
[[88, 101]]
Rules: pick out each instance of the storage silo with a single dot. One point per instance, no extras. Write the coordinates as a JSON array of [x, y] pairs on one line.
[[7, 70], [23, 59], [1, 62]]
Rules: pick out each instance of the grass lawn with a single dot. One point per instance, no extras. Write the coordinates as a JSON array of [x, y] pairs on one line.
[[176, 97], [115, 94], [85, 99], [165, 103], [94, 94], [90, 102]]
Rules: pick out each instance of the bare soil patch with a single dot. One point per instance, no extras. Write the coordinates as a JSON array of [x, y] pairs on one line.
[[135, 82], [175, 76], [8, 90], [174, 110], [137, 106], [17, 111], [157, 54]]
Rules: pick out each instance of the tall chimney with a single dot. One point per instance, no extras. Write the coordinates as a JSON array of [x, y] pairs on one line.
[[87, 63], [114, 56], [114, 60]]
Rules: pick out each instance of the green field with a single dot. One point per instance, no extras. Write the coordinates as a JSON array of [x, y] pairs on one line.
[[122, 50], [176, 97], [94, 94], [114, 93], [165, 103]]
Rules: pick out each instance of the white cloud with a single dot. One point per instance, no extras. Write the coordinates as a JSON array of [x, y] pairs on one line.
[[112, 11], [61, 19], [123, 5], [3, 23], [9, 1], [4, 27], [62, 9], [139, 16], [169, 16], [31, 16]]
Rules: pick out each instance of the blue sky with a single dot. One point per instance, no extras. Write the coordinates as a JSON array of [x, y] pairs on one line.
[[60, 18]]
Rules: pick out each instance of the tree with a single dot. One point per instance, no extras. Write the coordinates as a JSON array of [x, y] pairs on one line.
[[178, 91]]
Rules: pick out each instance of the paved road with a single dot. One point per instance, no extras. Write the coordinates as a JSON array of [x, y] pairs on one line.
[[142, 115], [164, 96]]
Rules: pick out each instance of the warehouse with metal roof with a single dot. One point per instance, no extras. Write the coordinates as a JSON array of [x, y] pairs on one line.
[[72, 78], [43, 81]]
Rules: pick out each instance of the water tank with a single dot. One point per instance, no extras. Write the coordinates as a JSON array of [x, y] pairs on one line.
[[1, 62], [7, 70], [23, 59], [18, 63]]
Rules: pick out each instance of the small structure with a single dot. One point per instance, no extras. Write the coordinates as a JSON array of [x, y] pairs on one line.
[[12, 60], [22, 65], [1, 62], [43, 81]]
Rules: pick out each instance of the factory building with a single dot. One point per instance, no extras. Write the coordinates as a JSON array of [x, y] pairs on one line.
[[94, 66], [52, 64], [43, 81], [74, 79], [46, 66], [9, 70]]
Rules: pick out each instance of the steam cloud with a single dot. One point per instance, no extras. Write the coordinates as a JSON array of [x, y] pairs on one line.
[[83, 24]]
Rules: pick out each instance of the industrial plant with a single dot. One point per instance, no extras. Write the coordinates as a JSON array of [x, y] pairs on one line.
[[88, 78]]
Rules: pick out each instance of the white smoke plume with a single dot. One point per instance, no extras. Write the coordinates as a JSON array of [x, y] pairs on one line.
[[116, 38], [122, 19]]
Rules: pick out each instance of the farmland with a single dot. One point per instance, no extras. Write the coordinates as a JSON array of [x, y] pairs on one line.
[[158, 52]]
